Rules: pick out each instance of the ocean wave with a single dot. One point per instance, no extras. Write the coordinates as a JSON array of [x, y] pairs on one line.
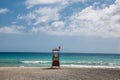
[[88, 66], [21, 66], [35, 62], [100, 63], [92, 63]]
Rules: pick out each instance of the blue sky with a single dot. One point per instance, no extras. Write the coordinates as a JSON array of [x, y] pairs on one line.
[[86, 26]]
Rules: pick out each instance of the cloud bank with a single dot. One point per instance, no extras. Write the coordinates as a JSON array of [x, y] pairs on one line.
[[46, 16]]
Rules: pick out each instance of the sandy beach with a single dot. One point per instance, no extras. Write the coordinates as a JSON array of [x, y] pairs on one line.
[[36, 73]]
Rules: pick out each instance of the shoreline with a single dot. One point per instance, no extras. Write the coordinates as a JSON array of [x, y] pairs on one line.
[[66, 66], [85, 66], [47, 73], [50, 68]]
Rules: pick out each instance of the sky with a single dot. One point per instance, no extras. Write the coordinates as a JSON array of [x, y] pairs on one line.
[[83, 26]]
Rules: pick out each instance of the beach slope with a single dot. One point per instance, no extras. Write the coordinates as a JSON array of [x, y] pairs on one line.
[[33, 73]]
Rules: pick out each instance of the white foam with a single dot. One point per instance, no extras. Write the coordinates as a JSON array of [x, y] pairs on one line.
[[34, 62], [87, 66], [21, 66], [87, 62]]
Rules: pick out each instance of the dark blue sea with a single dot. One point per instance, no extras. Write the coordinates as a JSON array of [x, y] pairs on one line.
[[40, 59]]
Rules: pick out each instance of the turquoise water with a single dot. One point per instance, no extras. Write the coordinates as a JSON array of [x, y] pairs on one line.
[[28, 59]]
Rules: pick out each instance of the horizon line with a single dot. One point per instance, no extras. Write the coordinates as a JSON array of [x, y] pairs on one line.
[[61, 52]]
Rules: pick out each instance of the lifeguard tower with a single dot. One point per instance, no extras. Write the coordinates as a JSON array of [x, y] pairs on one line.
[[55, 57]]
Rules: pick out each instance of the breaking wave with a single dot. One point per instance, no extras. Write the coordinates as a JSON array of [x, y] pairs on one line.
[[89, 63], [89, 66], [36, 62]]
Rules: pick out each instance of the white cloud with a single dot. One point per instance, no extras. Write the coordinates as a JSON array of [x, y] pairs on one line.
[[48, 30], [3, 10], [55, 28], [100, 22], [46, 14], [14, 29], [58, 24], [41, 15], [103, 22], [90, 21], [31, 3], [29, 17]]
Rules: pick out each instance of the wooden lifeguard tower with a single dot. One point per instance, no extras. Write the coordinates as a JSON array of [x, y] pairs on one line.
[[55, 57]]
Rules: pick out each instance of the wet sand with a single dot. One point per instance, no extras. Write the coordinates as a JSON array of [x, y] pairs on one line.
[[36, 73]]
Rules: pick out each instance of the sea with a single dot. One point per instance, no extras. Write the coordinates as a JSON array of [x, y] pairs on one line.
[[44, 59]]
